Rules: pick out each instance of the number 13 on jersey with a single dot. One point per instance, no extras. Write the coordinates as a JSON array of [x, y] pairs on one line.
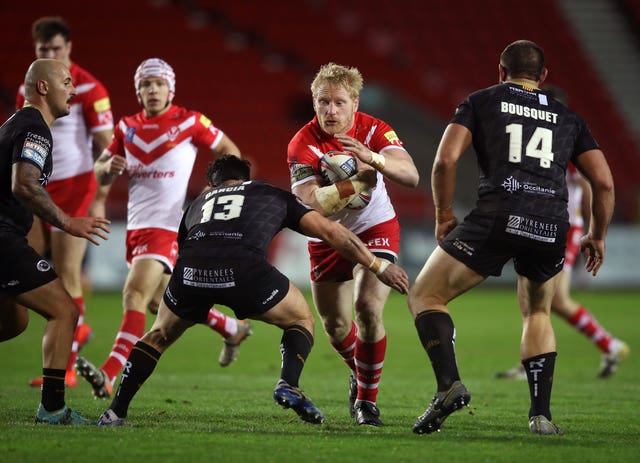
[[231, 208]]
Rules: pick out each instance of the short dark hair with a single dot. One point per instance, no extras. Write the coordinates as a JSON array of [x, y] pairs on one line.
[[523, 58], [47, 27], [228, 167]]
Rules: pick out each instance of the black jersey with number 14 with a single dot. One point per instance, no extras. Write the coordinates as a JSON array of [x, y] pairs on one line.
[[233, 221], [523, 141]]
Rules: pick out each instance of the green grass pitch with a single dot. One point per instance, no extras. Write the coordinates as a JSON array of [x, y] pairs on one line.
[[191, 410]]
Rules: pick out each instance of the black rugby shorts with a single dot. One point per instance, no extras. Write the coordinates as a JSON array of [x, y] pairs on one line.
[[482, 243], [248, 288], [22, 268]]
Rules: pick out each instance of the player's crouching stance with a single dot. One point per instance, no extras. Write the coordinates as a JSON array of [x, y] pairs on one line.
[[223, 240]]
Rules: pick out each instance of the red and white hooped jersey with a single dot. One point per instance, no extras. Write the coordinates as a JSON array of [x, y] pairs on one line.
[[90, 112], [311, 143], [574, 204], [160, 153]]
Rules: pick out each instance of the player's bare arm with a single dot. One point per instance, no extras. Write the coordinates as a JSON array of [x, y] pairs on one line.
[[227, 146], [107, 167], [593, 165], [98, 206], [395, 163], [349, 245], [455, 140], [25, 185]]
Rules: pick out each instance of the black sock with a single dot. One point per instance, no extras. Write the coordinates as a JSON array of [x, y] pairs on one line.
[[52, 389], [295, 348], [139, 366], [540, 376], [437, 335]]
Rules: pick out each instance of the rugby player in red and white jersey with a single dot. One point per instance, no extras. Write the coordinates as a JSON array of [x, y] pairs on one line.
[[575, 314], [157, 149], [78, 140], [337, 286]]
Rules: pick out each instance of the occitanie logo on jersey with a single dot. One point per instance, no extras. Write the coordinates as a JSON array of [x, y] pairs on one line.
[[392, 137]]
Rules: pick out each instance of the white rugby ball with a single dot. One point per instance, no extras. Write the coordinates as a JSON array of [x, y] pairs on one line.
[[338, 165]]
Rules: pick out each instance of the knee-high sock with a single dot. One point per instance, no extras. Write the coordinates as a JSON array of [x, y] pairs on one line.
[[438, 336], [220, 323], [369, 361], [131, 330], [295, 347], [586, 323], [139, 366], [347, 347], [540, 377]]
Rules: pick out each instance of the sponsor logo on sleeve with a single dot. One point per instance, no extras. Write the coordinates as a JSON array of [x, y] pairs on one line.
[[300, 172], [102, 105], [392, 137], [204, 120], [105, 118], [36, 149]]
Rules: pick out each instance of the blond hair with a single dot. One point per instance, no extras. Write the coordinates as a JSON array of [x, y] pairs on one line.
[[348, 77]]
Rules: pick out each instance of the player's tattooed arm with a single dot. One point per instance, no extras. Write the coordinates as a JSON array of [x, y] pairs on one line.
[[27, 187]]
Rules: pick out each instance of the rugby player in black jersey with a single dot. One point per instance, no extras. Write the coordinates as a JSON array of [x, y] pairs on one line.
[[523, 141], [27, 280], [222, 259]]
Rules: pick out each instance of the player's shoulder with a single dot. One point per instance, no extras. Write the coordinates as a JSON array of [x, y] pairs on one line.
[[30, 119], [366, 119], [263, 188], [493, 91], [309, 131], [182, 113]]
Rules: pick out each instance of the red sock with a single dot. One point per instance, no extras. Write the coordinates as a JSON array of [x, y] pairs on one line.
[[586, 323], [131, 330], [347, 347], [80, 303], [220, 323], [369, 361]]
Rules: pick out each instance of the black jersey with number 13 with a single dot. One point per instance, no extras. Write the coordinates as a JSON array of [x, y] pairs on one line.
[[230, 222]]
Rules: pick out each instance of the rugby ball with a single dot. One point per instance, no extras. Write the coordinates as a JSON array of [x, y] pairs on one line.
[[338, 165]]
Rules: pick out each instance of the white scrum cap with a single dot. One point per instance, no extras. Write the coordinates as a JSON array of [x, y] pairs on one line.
[[155, 67]]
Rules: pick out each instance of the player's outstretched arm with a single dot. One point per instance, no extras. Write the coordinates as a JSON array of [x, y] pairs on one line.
[[349, 245], [25, 185]]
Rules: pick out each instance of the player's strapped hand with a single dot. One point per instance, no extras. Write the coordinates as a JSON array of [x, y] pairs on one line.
[[395, 277], [89, 228]]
